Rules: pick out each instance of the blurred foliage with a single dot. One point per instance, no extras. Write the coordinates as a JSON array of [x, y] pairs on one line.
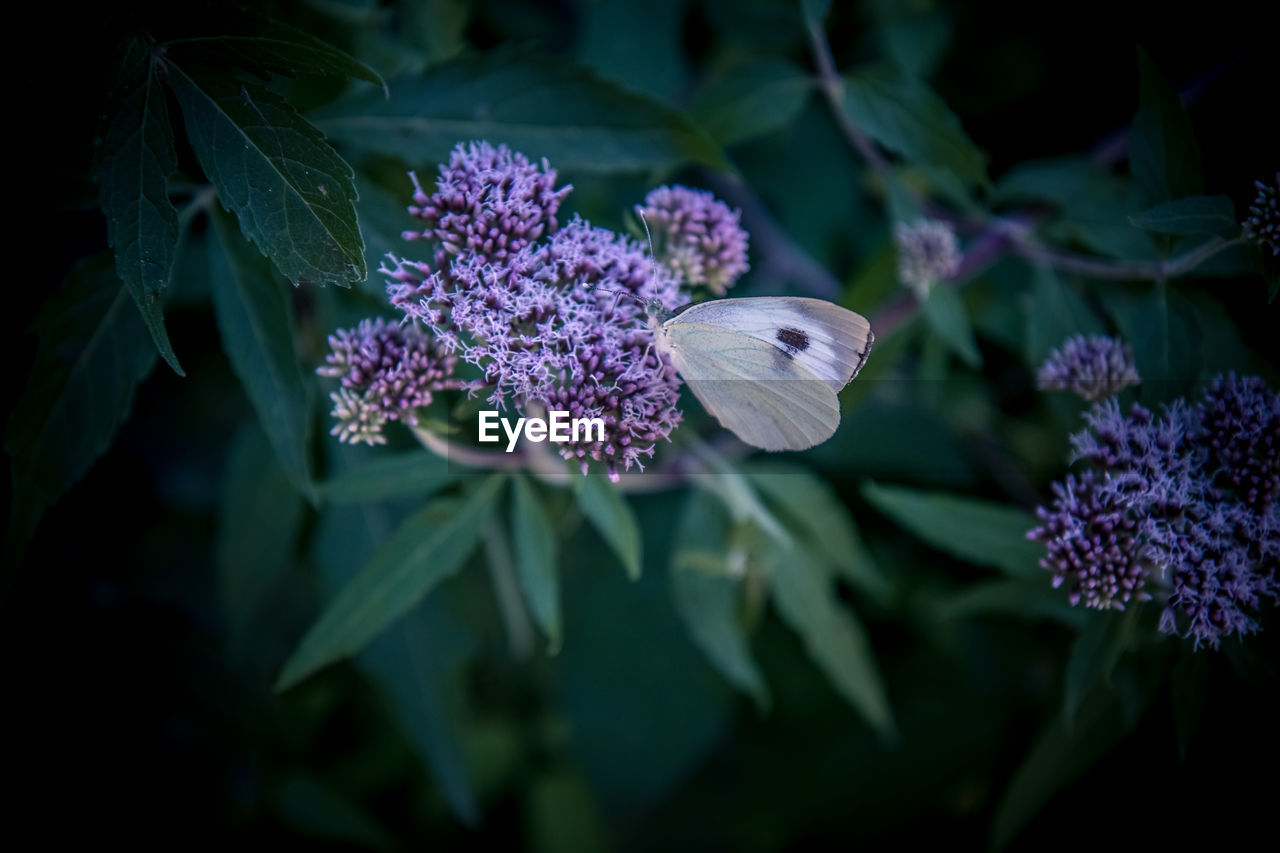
[[220, 624]]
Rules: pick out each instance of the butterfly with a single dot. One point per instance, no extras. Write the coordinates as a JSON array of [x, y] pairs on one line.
[[768, 368]]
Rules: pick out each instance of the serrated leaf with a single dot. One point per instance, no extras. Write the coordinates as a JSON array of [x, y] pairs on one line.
[[946, 315], [1094, 655], [1213, 214], [537, 564], [813, 510], [293, 194], [538, 105], [708, 596], [904, 115], [94, 351], [418, 555], [135, 158], [1060, 756], [1163, 154], [414, 473], [258, 338], [751, 100], [608, 511], [258, 523], [833, 636], [976, 531], [256, 43]]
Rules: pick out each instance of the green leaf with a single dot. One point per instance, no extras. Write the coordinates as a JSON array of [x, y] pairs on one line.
[[294, 196], [135, 158], [307, 805], [418, 661], [1194, 215], [1094, 655], [737, 494], [752, 99], [537, 565], [972, 530], [833, 636], [419, 555], [258, 44], [1061, 755], [414, 473], [1095, 204], [257, 336], [608, 511], [538, 105], [914, 35], [946, 315], [818, 517], [93, 352], [904, 115], [1164, 334], [258, 524], [1163, 154], [418, 664], [708, 596], [1031, 598], [1055, 312]]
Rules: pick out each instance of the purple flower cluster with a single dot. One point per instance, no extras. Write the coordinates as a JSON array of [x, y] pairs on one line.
[[489, 201], [1092, 367], [538, 309], [696, 235], [1263, 222], [387, 373], [927, 253], [1186, 501]]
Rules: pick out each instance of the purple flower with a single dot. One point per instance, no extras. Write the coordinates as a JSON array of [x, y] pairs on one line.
[[697, 236], [1263, 222], [541, 316], [1091, 542], [1092, 367], [387, 373], [927, 253], [1184, 502], [489, 201], [1240, 431]]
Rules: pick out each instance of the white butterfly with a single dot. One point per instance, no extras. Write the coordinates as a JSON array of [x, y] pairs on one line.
[[768, 368]]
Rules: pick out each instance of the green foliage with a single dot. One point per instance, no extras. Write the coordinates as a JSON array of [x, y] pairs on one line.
[[608, 512], [1163, 153], [135, 160], [93, 353], [708, 579], [1193, 215], [539, 105], [422, 552], [904, 115], [258, 337], [537, 565], [976, 531], [293, 195]]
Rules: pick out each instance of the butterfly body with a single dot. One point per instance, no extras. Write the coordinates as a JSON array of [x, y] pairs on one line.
[[767, 368]]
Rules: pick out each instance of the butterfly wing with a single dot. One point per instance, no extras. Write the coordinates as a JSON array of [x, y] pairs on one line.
[[763, 393], [830, 341]]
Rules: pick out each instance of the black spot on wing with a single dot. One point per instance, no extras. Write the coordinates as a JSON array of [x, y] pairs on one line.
[[795, 340]]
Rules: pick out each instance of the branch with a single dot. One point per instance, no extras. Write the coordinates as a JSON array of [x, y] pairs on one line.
[[1088, 265], [833, 88]]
